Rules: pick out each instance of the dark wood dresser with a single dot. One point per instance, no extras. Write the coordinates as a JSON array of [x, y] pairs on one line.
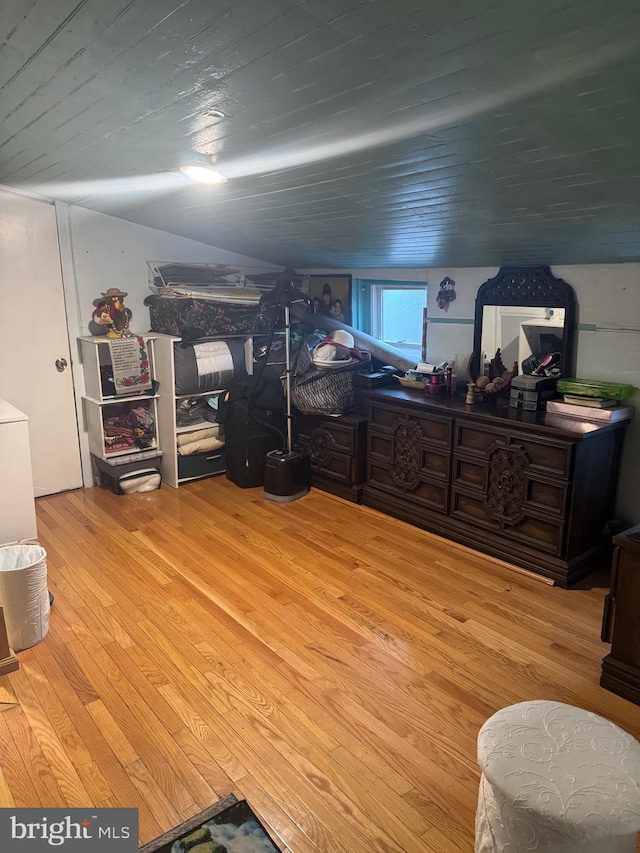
[[337, 449], [621, 622], [533, 489]]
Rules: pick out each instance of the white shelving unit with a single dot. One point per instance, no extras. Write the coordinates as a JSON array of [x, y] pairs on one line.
[[180, 469], [99, 405]]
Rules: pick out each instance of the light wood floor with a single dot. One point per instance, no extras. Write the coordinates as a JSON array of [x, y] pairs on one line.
[[329, 664]]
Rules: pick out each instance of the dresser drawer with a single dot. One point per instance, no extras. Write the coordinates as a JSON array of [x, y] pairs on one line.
[[340, 434], [414, 489], [435, 430], [537, 531], [543, 533], [539, 494], [546, 495], [553, 458], [336, 466], [399, 452], [336, 448], [474, 440], [544, 456]]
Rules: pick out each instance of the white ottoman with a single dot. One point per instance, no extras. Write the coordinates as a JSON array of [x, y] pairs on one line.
[[556, 778]]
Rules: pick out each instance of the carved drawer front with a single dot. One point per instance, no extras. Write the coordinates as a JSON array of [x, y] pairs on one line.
[[338, 466], [380, 447], [339, 436], [470, 473], [537, 532], [413, 489], [435, 463], [475, 440], [546, 456], [434, 430], [470, 508], [543, 534], [546, 496], [404, 449]]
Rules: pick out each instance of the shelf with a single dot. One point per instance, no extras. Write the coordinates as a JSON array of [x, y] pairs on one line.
[[96, 356], [122, 398], [96, 412], [199, 394], [194, 427], [131, 452], [178, 469]]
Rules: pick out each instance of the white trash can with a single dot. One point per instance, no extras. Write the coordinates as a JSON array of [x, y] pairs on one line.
[[24, 596]]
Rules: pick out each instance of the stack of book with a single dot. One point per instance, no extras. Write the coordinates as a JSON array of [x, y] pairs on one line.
[[604, 410]]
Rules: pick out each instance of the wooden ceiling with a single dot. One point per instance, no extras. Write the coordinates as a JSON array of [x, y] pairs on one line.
[[355, 133]]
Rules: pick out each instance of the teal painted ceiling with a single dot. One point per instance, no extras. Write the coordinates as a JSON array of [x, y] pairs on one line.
[[354, 133]]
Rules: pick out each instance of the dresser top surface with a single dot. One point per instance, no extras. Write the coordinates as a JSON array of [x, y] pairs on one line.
[[497, 413]]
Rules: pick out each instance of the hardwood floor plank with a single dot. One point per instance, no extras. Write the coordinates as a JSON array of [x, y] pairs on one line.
[[74, 792], [144, 732], [112, 733], [328, 663], [38, 769], [19, 785], [279, 825], [220, 750]]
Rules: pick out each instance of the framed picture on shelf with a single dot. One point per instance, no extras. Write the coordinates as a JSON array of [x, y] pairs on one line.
[[331, 294]]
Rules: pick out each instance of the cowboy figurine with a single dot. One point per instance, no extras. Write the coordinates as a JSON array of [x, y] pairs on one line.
[[111, 313]]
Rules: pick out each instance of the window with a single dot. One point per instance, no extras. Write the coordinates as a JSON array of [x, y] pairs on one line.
[[397, 315]]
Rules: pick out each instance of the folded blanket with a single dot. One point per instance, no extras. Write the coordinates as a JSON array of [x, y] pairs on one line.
[[185, 438], [202, 446]]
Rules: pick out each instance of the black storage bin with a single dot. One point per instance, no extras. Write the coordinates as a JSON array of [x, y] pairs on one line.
[[110, 474], [201, 464]]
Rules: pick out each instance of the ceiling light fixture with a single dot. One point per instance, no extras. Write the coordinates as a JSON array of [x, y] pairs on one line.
[[202, 173]]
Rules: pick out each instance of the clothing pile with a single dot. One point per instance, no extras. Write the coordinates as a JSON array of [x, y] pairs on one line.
[[191, 411], [129, 427]]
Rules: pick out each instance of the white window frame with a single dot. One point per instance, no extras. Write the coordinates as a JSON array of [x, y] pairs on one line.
[[377, 292]]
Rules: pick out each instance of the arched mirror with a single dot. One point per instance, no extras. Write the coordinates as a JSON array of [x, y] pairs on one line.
[[528, 314]]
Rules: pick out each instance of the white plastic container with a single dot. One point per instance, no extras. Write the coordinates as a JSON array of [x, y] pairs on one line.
[[24, 595]]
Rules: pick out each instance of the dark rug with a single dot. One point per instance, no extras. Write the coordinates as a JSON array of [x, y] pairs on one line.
[[229, 826]]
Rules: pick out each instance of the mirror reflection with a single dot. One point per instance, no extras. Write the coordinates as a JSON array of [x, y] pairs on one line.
[[529, 336]]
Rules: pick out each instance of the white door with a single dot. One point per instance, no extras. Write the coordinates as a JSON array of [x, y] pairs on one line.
[[33, 340]]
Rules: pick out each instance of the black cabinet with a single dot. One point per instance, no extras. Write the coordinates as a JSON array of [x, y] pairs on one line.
[[621, 620], [337, 449]]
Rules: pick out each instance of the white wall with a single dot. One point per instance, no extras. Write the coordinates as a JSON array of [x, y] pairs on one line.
[[110, 252], [608, 336], [100, 251]]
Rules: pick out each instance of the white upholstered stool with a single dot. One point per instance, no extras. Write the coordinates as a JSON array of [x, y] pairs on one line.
[[556, 778]]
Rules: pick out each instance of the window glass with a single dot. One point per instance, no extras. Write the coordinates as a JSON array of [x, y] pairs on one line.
[[397, 315]]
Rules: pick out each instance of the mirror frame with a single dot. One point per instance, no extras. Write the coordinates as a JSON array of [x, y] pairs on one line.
[[531, 287]]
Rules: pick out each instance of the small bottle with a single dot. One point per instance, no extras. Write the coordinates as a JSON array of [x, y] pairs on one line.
[[471, 394]]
